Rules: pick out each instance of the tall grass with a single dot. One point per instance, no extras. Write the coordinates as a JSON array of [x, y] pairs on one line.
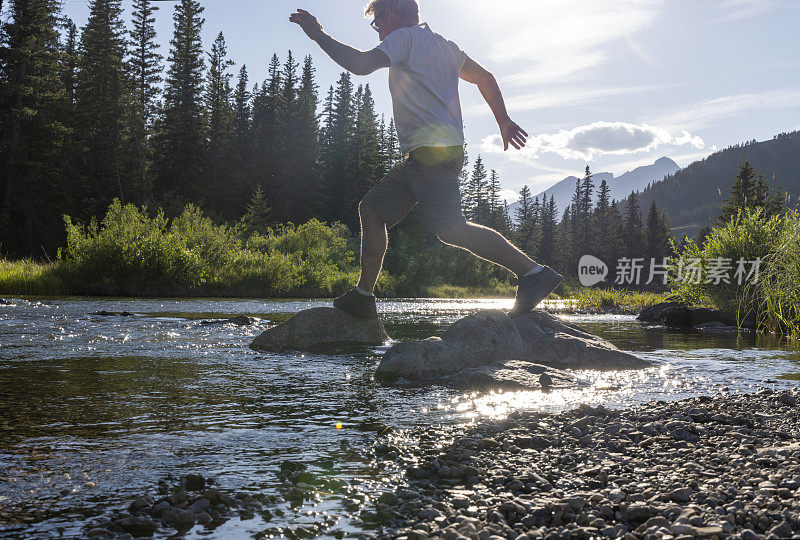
[[780, 282], [596, 298], [31, 278], [773, 298]]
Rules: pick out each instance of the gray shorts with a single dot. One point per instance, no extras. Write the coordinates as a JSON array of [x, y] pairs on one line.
[[428, 176]]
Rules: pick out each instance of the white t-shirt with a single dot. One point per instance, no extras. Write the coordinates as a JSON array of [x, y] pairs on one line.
[[423, 81]]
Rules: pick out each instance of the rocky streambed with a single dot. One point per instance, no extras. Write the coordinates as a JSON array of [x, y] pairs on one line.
[[726, 466]]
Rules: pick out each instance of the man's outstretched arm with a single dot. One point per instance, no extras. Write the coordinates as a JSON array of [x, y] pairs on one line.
[[490, 90], [353, 60]]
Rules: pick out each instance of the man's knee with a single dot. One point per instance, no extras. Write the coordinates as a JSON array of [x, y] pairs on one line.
[[368, 212], [454, 235]]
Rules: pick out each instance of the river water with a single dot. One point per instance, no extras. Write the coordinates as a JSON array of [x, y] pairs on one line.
[[94, 410]]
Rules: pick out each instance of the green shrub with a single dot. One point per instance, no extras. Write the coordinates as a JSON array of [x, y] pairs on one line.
[[132, 253]]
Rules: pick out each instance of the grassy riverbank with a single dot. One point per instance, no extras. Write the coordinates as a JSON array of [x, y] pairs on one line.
[[772, 292], [596, 299], [29, 278]]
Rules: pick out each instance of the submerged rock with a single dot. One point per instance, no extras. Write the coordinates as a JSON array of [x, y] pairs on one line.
[[241, 320], [322, 329], [113, 314], [653, 313], [690, 317], [510, 375], [490, 338]]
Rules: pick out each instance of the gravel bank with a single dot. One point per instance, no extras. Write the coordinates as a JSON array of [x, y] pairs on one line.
[[726, 466]]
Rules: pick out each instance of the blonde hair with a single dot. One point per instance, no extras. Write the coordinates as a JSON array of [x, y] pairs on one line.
[[408, 10]]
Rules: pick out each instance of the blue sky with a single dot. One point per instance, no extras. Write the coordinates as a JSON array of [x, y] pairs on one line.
[[612, 83]]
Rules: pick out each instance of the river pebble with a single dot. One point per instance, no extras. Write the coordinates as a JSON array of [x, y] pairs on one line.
[[176, 509], [723, 466]]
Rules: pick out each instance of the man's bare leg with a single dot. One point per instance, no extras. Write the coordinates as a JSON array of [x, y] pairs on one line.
[[374, 241], [488, 244]]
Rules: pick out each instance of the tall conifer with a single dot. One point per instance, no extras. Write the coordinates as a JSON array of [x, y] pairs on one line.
[[219, 177], [181, 135], [242, 146], [33, 193], [102, 98], [633, 236], [305, 135], [145, 67]]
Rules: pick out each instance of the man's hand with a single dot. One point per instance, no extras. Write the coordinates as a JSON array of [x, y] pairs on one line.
[[512, 134], [308, 23]]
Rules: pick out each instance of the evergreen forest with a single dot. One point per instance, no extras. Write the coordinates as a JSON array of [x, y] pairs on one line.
[[96, 119]]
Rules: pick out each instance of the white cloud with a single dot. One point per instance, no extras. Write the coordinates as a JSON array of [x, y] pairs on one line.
[[598, 138], [706, 113], [559, 40]]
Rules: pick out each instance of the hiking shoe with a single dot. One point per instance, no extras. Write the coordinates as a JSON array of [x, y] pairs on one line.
[[533, 289], [357, 304]]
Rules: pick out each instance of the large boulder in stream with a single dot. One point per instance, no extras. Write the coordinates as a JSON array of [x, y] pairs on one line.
[[491, 338], [322, 329]]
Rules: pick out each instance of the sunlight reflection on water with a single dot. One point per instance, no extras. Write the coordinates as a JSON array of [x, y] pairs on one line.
[[123, 401]]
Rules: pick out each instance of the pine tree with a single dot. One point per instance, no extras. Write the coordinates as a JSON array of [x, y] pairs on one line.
[[326, 139], [306, 139], [601, 223], [72, 150], [657, 235], [495, 218], [463, 182], [583, 225], [526, 216], [393, 150], [614, 235], [68, 74], [33, 194], [242, 145], [776, 202], [266, 134], [367, 167], [749, 192], [743, 195], [102, 98], [383, 143], [145, 66], [547, 243], [145, 61], [338, 157], [603, 198], [219, 178], [283, 175], [633, 237], [477, 193], [181, 134], [524, 211], [564, 255], [257, 217]]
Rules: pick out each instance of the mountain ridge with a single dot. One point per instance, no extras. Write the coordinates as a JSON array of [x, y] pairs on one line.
[[621, 186]]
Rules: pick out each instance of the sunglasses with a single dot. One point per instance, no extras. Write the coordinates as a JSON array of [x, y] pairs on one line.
[[375, 21]]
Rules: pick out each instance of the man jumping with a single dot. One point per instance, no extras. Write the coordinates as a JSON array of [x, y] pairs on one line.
[[424, 69]]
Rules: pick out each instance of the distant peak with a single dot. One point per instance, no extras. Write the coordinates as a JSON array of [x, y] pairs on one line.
[[665, 161]]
